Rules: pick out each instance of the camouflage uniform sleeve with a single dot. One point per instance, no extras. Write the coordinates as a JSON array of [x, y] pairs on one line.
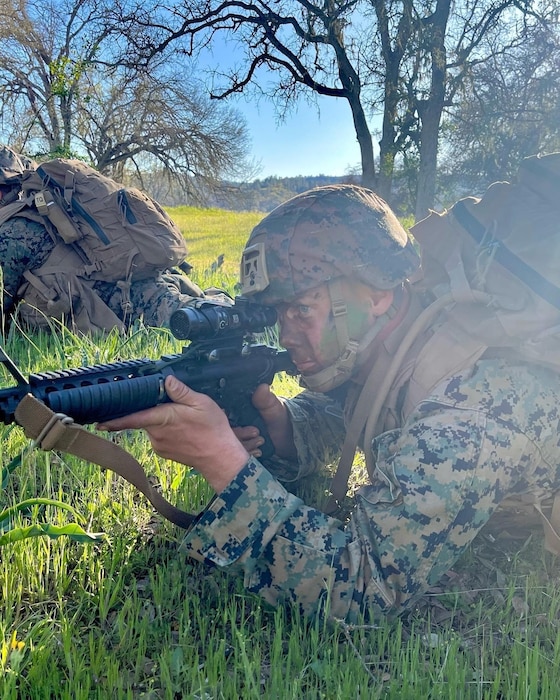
[[153, 299], [435, 484], [24, 245], [318, 429]]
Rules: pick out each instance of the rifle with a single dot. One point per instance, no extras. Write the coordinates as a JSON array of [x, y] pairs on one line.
[[222, 361]]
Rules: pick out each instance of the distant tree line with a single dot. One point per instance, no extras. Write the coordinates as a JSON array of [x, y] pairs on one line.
[[264, 195], [257, 195]]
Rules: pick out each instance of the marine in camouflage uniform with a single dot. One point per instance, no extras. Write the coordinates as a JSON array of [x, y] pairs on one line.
[[439, 462], [26, 245]]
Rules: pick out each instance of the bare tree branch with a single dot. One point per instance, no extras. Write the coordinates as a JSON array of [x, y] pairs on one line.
[[61, 93]]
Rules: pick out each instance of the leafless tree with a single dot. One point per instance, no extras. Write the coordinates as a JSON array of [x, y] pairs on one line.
[[147, 125], [404, 58], [60, 95], [429, 50], [508, 108], [298, 43]]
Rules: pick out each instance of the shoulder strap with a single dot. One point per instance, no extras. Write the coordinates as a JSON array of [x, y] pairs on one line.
[[378, 384], [56, 431], [506, 257], [13, 209]]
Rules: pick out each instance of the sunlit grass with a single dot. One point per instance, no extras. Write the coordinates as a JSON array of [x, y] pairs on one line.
[[131, 617], [210, 234]]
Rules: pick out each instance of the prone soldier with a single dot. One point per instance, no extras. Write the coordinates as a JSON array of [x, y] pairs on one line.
[[442, 451], [25, 245]]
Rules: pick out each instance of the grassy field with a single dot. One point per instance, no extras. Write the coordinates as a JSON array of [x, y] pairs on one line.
[[128, 616]]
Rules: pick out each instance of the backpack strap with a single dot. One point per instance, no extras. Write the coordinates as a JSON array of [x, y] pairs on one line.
[[56, 431], [49, 293], [378, 384], [518, 267], [69, 187], [12, 209]]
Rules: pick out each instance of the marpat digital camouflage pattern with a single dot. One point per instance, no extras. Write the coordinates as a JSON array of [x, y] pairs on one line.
[[24, 245], [329, 232], [482, 435]]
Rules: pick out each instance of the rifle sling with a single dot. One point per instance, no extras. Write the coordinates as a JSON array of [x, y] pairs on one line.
[[56, 431]]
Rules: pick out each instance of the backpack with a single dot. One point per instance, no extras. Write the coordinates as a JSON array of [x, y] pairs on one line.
[[497, 260], [118, 232], [53, 291], [505, 246], [101, 232]]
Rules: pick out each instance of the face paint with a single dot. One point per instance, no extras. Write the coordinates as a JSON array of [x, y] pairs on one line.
[[358, 318], [315, 338], [329, 348]]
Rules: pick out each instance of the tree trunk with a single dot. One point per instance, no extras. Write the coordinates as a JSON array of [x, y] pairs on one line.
[[363, 134], [430, 110], [369, 178], [392, 49], [388, 144], [426, 187]]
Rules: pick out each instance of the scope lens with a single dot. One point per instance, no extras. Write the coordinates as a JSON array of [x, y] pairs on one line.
[[211, 320], [189, 323]]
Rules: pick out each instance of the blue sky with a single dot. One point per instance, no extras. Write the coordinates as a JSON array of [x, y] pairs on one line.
[[313, 139], [317, 136], [306, 142]]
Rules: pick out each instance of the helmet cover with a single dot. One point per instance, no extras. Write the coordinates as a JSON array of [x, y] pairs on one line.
[[322, 234]]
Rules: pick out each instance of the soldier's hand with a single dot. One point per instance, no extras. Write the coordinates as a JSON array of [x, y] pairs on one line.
[[251, 439], [277, 420], [192, 430]]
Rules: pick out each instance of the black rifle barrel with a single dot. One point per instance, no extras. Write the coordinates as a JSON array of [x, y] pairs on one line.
[[103, 392]]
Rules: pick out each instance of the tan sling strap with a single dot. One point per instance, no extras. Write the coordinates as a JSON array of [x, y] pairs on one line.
[[339, 483], [378, 384], [551, 525], [56, 431]]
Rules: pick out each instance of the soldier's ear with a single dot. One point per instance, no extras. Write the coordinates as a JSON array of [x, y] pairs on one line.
[[381, 301]]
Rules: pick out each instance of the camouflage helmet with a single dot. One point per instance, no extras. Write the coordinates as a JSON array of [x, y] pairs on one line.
[[322, 234], [12, 166]]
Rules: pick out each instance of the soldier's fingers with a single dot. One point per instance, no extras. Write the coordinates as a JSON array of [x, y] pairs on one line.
[[142, 419], [247, 432], [179, 392], [250, 438], [265, 400]]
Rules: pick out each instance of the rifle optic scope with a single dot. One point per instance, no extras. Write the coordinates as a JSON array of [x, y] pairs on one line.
[[207, 319]]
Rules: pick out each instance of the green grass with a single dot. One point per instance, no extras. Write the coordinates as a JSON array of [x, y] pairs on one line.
[[131, 617], [211, 233]]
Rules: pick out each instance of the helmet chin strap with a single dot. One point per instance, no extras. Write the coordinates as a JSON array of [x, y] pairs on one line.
[[350, 349]]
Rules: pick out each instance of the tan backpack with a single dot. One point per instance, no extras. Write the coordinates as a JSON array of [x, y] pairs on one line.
[[102, 231], [118, 232], [507, 246], [52, 291]]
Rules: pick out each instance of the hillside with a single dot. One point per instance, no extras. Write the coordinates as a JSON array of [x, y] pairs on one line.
[[258, 195], [264, 195]]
